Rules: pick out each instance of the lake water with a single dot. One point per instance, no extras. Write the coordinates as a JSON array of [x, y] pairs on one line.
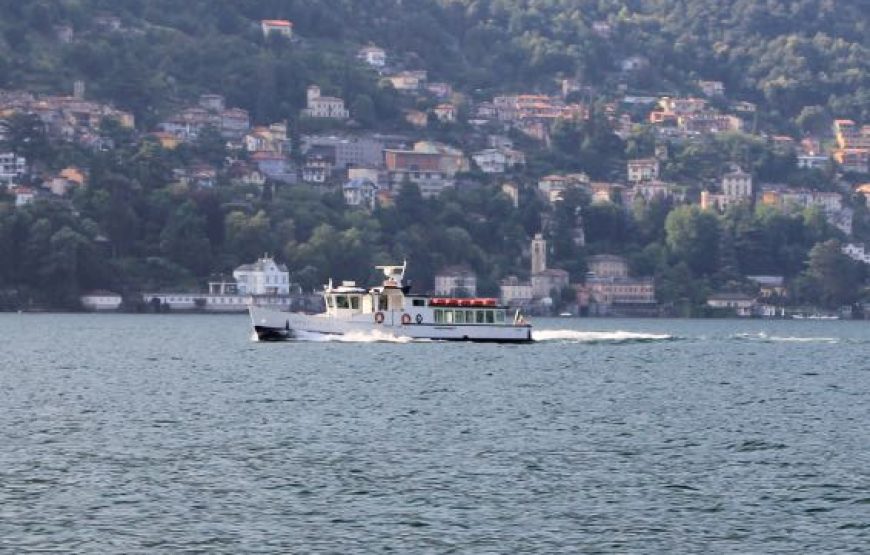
[[178, 433]]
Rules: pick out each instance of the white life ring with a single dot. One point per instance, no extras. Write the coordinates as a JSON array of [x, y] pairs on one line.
[[379, 317]]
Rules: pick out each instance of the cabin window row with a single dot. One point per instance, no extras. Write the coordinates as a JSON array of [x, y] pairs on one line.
[[343, 301], [459, 316]]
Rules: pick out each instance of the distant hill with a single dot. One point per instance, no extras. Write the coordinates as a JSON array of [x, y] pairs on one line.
[[795, 58]]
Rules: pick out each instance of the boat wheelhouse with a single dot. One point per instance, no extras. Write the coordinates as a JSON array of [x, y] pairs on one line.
[[392, 310]]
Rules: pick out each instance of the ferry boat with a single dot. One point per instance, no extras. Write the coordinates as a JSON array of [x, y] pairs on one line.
[[391, 310]]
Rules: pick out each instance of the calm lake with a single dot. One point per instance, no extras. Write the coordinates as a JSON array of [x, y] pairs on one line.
[[178, 433]]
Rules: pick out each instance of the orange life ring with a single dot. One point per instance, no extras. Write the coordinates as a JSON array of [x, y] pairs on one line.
[[379, 317], [406, 319]]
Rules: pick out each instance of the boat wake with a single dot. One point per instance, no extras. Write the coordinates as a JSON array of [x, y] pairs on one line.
[[618, 336], [762, 337], [373, 336]]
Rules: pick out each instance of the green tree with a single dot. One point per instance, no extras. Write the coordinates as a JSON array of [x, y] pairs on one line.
[[692, 235], [248, 237], [184, 240], [833, 276]]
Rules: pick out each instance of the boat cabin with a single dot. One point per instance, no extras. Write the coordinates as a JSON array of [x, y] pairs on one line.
[[391, 302], [346, 299]]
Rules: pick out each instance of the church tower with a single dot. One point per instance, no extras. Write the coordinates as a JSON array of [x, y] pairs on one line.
[[539, 254]]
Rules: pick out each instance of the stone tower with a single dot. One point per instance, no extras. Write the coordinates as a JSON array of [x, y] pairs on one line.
[[539, 254]]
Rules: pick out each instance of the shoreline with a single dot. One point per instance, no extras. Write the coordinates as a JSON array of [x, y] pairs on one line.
[[554, 317]]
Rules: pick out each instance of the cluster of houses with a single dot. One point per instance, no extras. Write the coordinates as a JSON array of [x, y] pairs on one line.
[[370, 168], [606, 289], [210, 112], [690, 117], [532, 114], [735, 187], [70, 118]]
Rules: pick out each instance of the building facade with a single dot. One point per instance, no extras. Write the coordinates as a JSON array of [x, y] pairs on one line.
[[350, 151], [513, 292], [263, 277], [546, 282], [280, 27], [360, 192], [608, 295], [12, 167], [456, 282], [646, 169], [319, 106], [607, 266], [431, 166], [373, 56], [737, 185]]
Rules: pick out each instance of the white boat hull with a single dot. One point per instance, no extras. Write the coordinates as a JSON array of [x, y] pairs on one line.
[[272, 325]]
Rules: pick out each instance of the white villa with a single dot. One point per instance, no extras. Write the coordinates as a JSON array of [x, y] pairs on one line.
[[374, 56], [737, 185], [490, 160], [324, 106], [360, 192], [645, 169], [263, 277]]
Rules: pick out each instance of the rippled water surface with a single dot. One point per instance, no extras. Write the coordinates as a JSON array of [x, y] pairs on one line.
[[177, 433]]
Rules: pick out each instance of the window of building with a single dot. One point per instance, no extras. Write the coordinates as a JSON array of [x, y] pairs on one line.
[[419, 302], [460, 317], [490, 317], [341, 301], [354, 302], [480, 317]]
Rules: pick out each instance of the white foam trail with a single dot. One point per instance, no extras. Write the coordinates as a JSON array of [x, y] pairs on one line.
[[374, 336], [805, 339], [761, 336], [618, 336]]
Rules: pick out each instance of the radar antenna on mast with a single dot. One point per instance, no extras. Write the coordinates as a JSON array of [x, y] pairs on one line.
[[394, 274]]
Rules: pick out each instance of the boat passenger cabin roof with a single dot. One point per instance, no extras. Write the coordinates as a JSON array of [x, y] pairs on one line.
[[344, 289]]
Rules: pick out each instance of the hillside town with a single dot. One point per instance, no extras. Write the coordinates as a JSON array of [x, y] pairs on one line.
[[451, 140]]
